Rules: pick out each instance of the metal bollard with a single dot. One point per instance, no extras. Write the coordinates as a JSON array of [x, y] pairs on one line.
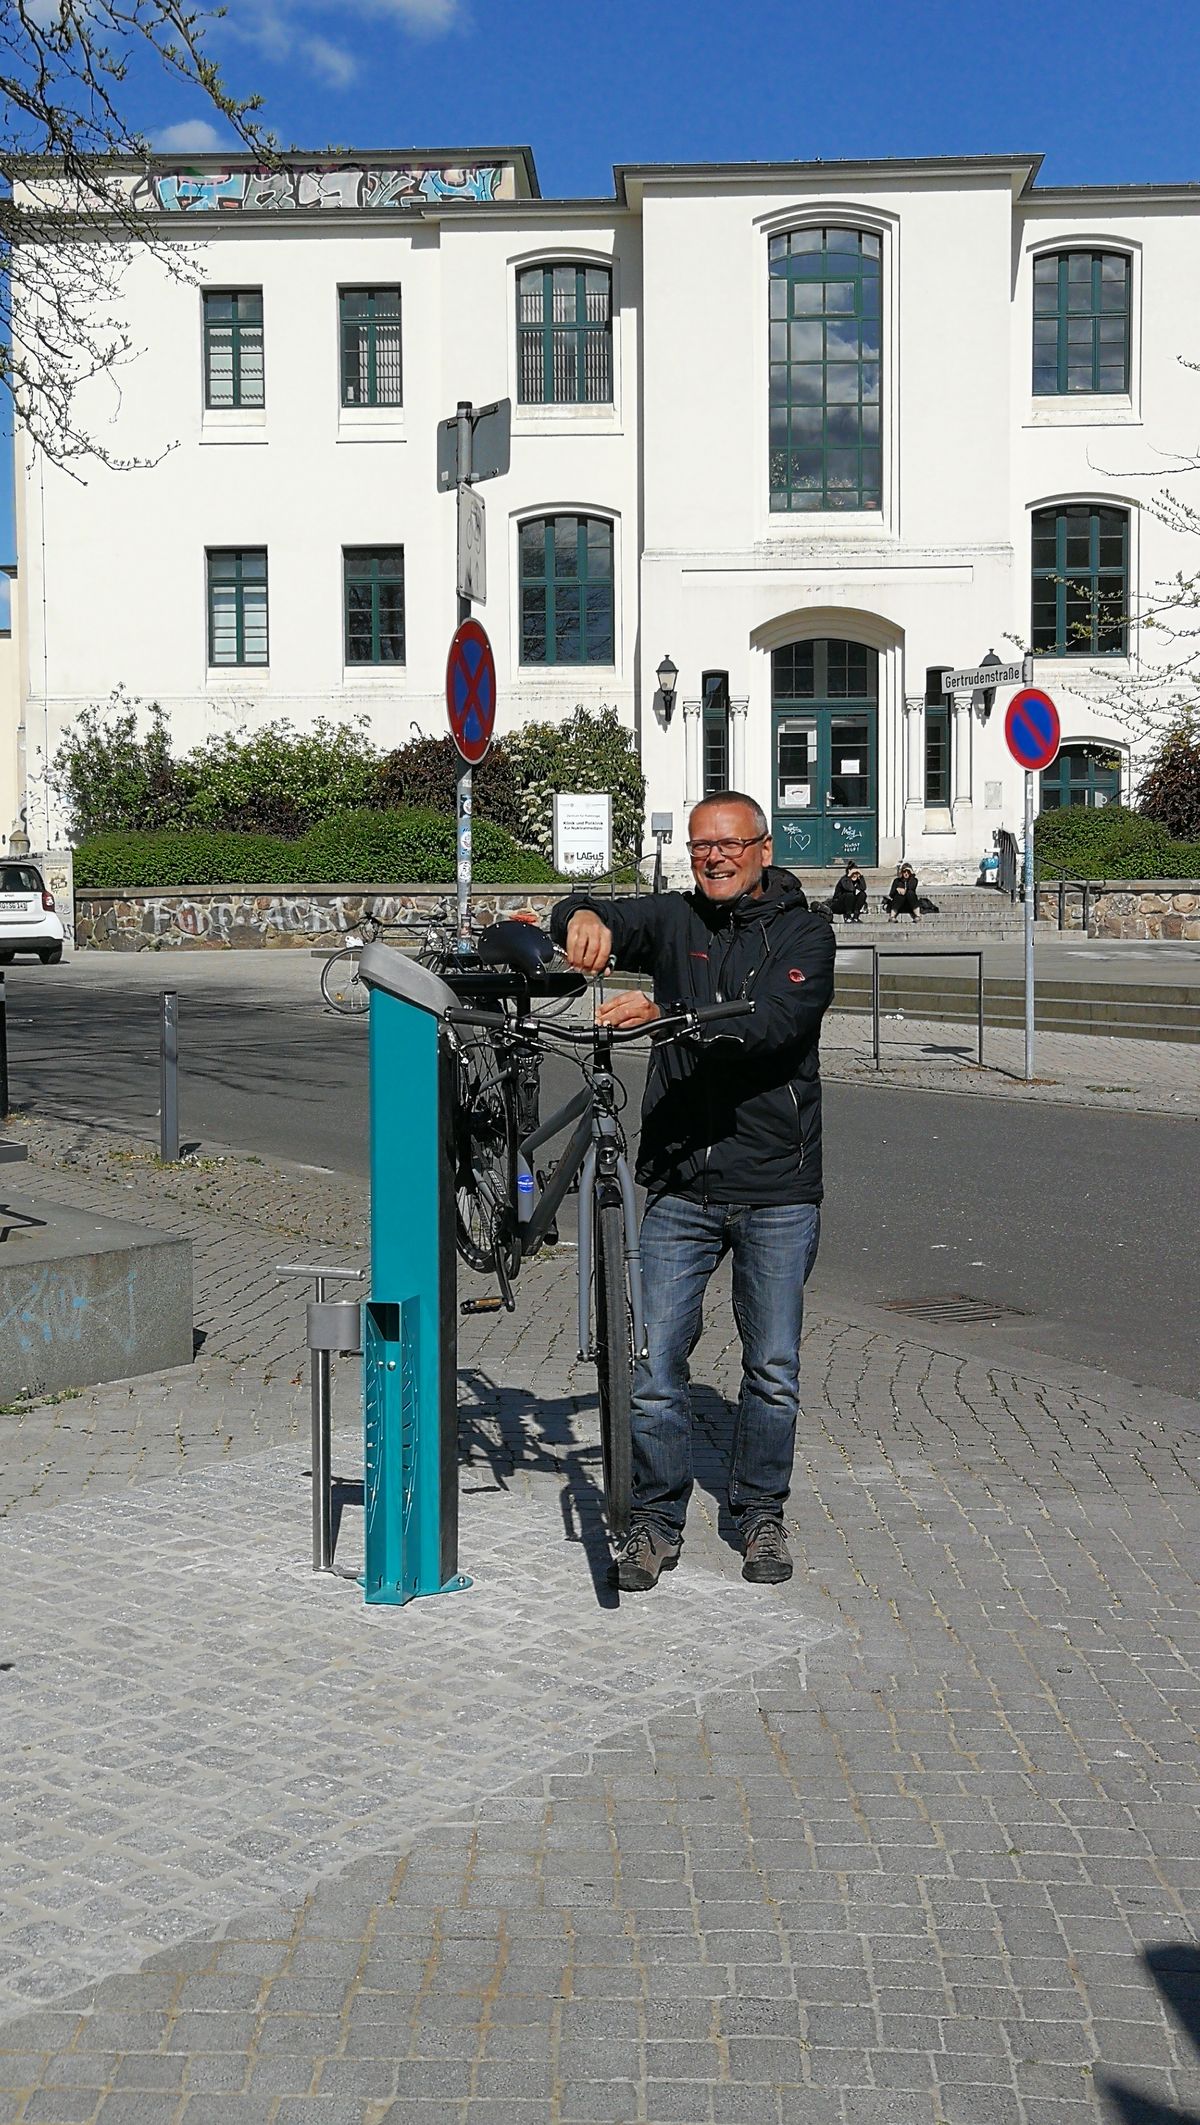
[[330, 1324], [168, 1079], [3, 1051]]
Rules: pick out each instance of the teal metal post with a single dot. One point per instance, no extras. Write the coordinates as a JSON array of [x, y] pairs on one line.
[[410, 1345]]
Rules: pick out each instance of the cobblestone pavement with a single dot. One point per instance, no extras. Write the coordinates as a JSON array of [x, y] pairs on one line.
[[914, 1838], [1073, 1069]]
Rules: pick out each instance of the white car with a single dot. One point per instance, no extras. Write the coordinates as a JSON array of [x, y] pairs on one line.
[[28, 922]]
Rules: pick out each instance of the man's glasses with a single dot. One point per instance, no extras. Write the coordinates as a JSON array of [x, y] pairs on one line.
[[730, 845]]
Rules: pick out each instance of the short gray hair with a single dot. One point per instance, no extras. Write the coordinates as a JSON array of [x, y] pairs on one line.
[[762, 824]]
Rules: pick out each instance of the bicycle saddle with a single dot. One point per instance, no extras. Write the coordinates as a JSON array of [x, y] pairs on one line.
[[517, 945]]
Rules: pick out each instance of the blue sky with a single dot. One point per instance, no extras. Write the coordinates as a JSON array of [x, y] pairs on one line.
[[1107, 93]]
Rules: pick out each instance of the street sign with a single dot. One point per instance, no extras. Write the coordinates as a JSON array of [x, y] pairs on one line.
[[979, 676], [491, 444], [582, 834], [472, 547], [1031, 729], [471, 691]]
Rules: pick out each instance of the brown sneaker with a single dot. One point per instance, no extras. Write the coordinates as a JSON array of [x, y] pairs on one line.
[[644, 1553], [767, 1560]]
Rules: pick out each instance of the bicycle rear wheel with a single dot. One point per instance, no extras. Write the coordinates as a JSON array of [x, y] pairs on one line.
[[485, 1159], [341, 984], [614, 1366]]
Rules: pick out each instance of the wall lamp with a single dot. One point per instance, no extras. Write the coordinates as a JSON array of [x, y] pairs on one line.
[[667, 675]]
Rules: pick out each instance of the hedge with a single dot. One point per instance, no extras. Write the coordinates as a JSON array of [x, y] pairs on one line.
[[358, 848], [1107, 841]]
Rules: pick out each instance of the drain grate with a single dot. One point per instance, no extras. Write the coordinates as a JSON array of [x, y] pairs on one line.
[[954, 1306]]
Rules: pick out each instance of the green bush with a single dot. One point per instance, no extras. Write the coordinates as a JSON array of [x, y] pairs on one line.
[[424, 773], [1082, 841], [358, 848], [591, 751], [1170, 788], [110, 773]]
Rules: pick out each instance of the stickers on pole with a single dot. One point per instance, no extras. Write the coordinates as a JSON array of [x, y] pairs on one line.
[[471, 691], [1031, 729]]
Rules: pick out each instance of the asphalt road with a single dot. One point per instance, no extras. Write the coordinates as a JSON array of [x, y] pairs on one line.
[[1082, 1220]]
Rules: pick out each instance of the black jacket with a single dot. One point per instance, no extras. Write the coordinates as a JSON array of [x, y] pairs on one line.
[[849, 896], [735, 1119]]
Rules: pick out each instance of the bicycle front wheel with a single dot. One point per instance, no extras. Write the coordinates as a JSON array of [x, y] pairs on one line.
[[614, 1366], [485, 1163], [341, 984]]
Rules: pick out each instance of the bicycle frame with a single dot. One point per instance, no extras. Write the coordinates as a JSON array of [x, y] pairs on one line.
[[596, 1152]]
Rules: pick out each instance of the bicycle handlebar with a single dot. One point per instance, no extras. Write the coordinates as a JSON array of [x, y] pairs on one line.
[[683, 1019]]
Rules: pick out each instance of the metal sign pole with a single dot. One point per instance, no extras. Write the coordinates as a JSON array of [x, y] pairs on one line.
[[1030, 895], [463, 794], [168, 1103]]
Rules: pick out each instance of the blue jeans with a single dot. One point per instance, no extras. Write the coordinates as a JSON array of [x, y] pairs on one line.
[[774, 1247]]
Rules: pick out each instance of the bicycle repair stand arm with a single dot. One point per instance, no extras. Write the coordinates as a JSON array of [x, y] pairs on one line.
[[410, 1355], [330, 1324]]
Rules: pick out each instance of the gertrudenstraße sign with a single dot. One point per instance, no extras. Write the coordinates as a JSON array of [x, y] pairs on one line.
[[981, 675]]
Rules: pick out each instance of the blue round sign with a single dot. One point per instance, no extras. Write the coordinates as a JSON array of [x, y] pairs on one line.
[[471, 691], [1031, 729]]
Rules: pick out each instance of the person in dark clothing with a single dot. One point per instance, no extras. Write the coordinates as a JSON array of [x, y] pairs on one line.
[[902, 894], [730, 1157], [850, 895]]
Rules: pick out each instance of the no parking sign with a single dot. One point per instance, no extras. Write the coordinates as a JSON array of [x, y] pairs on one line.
[[1032, 730], [471, 691]]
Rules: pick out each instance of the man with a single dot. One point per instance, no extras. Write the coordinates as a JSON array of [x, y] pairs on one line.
[[730, 1157]]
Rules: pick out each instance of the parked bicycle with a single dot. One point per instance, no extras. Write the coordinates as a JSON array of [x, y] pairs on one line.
[[507, 1208], [341, 984]]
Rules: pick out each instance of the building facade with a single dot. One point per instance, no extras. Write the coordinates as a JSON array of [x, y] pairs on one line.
[[815, 431]]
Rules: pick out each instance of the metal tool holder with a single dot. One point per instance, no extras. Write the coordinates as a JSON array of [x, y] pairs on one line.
[[331, 1325]]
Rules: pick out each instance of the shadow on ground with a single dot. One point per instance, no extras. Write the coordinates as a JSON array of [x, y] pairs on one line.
[[1175, 1969]]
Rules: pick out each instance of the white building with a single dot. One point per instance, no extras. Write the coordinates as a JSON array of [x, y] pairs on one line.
[[816, 431]]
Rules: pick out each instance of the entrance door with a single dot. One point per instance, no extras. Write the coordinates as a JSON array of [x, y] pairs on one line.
[[825, 714]]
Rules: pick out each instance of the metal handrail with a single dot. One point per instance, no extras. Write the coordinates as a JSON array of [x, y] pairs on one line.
[[884, 951], [1074, 885]]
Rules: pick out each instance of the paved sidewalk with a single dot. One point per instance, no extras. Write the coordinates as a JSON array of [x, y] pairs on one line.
[[1073, 1069], [914, 1840]]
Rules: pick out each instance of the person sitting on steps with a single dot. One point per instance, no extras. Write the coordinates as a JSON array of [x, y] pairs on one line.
[[850, 895], [902, 895]]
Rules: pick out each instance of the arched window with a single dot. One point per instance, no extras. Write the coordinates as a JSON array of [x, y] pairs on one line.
[[1082, 774], [825, 319], [1080, 581], [1081, 313], [567, 611], [564, 336]]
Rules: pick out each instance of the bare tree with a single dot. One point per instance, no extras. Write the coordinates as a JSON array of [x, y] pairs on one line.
[[69, 218]]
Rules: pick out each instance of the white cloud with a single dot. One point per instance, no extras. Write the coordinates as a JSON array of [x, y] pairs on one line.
[[194, 136], [295, 29]]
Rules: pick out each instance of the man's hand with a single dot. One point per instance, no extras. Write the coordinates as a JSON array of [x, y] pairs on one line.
[[589, 943], [630, 1008]]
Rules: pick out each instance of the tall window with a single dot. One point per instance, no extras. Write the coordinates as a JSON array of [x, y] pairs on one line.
[[237, 605], [567, 614], [714, 695], [564, 336], [369, 327], [233, 348], [1080, 581], [373, 585], [825, 315], [937, 753], [1081, 322]]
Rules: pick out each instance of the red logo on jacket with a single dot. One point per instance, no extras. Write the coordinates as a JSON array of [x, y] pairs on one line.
[[794, 974]]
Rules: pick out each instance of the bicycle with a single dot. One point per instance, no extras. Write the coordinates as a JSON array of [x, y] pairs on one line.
[[507, 1210], [341, 984]]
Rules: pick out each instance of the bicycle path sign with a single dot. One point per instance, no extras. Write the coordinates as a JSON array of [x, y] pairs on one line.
[[1031, 729], [471, 691]]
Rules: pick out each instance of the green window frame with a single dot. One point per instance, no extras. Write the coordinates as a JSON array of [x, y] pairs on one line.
[[1081, 322], [237, 605], [1082, 775], [937, 753], [1080, 581], [564, 335], [826, 409], [568, 610], [371, 353], [714, 732], [373, 604], [234, 373]]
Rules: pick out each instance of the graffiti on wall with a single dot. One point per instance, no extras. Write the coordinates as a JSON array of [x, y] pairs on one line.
[[337, 185]]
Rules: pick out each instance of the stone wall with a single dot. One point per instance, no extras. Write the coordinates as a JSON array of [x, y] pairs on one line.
[[226, 917], [1148, 908]]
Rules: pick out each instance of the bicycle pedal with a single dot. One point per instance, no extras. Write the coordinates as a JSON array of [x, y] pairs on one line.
[[550, 1236], [491, 1304]]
